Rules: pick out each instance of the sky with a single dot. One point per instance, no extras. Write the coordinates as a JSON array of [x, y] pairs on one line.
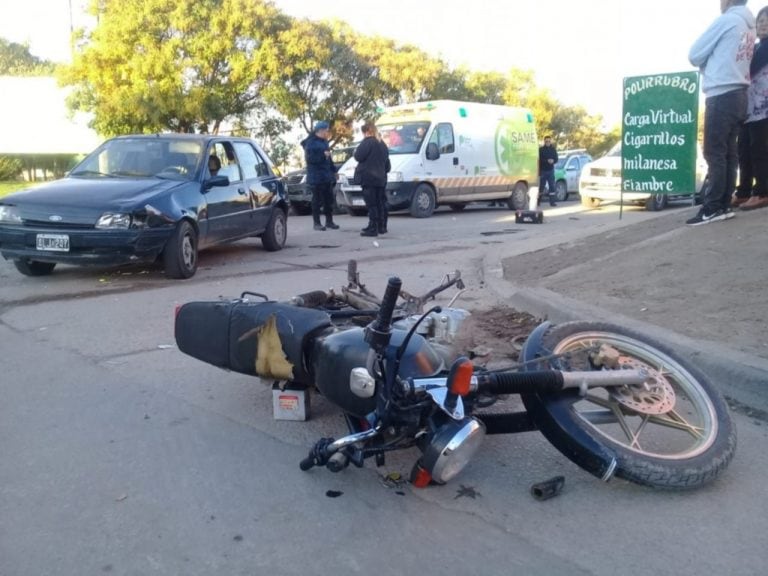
[[579, 49]]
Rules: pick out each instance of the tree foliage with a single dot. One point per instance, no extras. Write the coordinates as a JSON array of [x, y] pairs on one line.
[[186, 66], [17, 60], [196, 65]]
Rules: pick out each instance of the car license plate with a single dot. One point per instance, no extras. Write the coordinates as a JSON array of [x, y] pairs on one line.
[[53, 242], [358, 202]]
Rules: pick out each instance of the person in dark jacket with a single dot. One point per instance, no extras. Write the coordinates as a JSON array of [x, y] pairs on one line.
[[373, 164], [547, 160], [321, 174]]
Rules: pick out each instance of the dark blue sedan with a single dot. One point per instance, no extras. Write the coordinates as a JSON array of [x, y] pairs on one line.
[[144, 198]]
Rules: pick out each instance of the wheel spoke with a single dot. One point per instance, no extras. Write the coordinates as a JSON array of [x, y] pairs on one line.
[[624, 425], [673, 420]]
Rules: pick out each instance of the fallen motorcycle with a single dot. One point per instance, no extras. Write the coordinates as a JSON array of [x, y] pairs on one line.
[[610, 399]]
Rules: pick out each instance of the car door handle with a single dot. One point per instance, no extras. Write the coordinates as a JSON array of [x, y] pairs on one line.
[[241, 191], [455, 161]]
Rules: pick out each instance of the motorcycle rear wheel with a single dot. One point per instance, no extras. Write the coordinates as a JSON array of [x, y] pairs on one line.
[[676, 433]]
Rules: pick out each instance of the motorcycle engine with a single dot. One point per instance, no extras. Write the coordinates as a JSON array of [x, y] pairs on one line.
[[439, 329]]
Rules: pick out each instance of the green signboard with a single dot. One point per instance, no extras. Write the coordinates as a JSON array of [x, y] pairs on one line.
[[659, 125]]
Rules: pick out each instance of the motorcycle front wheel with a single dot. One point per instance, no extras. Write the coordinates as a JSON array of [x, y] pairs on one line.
[[674, 431]]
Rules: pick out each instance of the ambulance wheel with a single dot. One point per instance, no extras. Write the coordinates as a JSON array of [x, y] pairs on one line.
[[519, 198], [423, 203]]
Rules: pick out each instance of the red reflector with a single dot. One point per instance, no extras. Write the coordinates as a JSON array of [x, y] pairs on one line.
[[177, 310], [420, 477], [460, 379]]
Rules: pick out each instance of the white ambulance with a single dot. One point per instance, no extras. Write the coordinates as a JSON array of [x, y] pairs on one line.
[[447, 152]]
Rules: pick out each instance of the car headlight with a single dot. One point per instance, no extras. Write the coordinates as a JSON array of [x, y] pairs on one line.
[[9, 215], [395, 177], [117, 220]]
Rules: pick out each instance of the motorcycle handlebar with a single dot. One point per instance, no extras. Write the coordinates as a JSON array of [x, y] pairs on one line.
[[377, 334], [384, 318]]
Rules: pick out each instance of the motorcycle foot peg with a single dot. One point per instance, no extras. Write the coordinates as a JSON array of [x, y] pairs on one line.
[[548, 489], [337, 462]]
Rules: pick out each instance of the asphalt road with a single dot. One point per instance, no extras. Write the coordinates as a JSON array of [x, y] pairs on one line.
[[120, 455]]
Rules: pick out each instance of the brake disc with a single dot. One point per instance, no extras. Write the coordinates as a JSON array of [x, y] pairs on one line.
[[654, 396]]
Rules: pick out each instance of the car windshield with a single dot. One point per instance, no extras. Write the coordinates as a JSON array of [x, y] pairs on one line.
[[561, 162], [168, 158], [405, 137]]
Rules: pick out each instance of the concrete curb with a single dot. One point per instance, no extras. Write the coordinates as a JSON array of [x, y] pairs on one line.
[[740, 377]]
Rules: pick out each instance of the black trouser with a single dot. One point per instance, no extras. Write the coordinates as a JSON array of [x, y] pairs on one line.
[[376, 201], [746, 172], [723, 117], [758, 138], [548, 179], [322, 197]]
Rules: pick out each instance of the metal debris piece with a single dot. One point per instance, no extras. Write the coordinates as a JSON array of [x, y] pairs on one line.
[[548, 489]]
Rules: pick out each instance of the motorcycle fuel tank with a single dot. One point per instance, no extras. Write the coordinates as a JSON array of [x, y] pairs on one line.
[[334, 356]]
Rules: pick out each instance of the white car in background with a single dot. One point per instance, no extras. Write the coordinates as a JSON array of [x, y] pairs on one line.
[[601, 182]]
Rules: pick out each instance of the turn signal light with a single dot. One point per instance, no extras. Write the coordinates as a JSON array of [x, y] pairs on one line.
[[460, 376]]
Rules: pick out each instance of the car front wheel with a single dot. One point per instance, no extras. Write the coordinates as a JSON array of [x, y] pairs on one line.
[[656, 202], [590, 202], [561, 191], [33, 267], [180, 253]]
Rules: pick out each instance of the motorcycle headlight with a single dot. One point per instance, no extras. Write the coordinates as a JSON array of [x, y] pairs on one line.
[[452, 448], [395, 177], [361, 383], [111, 221], [9, 215]]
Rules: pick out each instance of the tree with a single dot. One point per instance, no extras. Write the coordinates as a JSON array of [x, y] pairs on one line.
[[17, 60], [574, 127], [185, 66]]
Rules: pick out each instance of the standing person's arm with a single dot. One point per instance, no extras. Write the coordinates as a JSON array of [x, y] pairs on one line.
[[314, 154], [363, 150], [703, 47]]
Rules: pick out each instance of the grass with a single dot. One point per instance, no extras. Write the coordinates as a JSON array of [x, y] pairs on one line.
[[8, 186]]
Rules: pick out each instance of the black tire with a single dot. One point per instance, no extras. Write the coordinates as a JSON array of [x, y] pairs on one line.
[[519, 198], [458, 207], [561, 191], [656, 202], [683, 433], [423, 201], [180, 253], [276, 233], [33, 267], [590, 202]]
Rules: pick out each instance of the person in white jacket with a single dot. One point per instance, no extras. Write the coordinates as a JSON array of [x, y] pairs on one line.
[[723, 53]]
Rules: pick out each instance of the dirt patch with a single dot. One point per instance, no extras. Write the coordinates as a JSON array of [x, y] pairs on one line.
[[495, 334]]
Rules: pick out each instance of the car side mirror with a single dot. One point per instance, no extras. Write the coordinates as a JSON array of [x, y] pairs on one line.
[[433, 152], [216, 182]]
